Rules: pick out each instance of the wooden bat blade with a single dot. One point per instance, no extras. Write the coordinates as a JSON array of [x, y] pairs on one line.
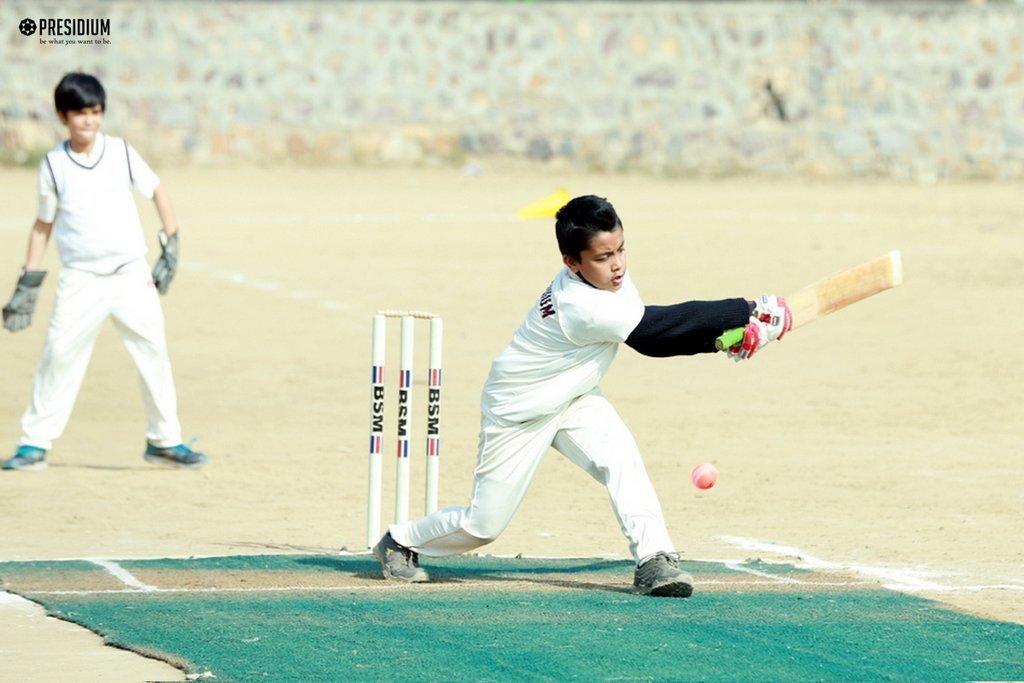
[[842, 289], [834, 293]]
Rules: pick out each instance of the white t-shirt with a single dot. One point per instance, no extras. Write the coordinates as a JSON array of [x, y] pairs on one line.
[[563, 348], [88, 199]]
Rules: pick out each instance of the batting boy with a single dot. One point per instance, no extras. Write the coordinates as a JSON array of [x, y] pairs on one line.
[[85, 202], [542, 391]]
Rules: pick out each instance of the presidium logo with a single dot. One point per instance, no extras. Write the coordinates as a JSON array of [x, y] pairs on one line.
[[67, 31]]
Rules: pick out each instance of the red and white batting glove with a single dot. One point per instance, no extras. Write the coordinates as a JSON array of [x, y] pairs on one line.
[[770, 320], [773, 311], [755, 337]]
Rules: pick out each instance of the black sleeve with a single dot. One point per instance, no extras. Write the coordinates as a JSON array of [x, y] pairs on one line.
[[687, 328]]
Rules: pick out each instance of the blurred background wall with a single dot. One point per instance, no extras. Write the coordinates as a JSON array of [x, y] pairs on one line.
[[901, 90]]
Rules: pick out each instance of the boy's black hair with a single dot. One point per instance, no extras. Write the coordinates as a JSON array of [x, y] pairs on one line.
[[79, 91], [581, 219]]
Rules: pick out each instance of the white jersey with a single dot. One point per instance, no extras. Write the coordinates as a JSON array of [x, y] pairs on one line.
[[563, 348], [88, 198]]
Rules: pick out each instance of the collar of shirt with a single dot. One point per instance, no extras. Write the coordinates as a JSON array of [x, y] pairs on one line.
[[92, 156]]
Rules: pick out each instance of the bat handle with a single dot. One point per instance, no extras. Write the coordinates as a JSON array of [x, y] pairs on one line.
[[729, 338]]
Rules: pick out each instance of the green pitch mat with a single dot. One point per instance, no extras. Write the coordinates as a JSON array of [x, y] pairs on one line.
[[331, 618]]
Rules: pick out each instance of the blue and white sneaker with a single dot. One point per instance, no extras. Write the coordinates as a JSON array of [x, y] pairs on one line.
[[175, 456], [26, 458]]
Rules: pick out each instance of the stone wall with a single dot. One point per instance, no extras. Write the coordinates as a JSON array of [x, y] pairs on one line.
[[909, 90]]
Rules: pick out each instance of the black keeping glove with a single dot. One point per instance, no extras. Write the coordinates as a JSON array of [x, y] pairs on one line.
[[18, 312], [167, 265]]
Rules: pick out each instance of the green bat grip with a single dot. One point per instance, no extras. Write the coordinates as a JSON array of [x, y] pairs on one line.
[[729, 338]]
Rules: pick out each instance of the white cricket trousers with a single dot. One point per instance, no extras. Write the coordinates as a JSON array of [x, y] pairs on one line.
[[591, 434], [84, 301]]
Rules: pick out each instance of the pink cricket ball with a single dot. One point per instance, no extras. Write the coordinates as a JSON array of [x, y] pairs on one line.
[[704, 476]]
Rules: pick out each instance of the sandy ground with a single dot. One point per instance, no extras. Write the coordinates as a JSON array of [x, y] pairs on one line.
[[41, 648], [886, 436]]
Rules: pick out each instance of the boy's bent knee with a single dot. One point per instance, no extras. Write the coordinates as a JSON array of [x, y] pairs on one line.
[[485, 528], [482, 540], [454, 543]]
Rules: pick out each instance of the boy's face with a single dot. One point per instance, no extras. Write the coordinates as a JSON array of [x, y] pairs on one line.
[[83, 124], [603, 262]]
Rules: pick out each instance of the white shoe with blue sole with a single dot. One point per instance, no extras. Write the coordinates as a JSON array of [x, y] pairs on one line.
[[26, 458], [175, 456]]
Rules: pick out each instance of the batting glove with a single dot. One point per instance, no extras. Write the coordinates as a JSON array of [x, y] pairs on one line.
[[18, 312], [769, 321], [755, 337], [773, 311]]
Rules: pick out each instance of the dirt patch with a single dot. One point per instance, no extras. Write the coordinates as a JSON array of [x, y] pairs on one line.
[[55, 577]]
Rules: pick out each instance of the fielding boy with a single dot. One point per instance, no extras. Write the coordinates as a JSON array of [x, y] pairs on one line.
[[85, 203]]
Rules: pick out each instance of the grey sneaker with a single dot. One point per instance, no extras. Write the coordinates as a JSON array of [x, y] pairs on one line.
[[398, 562], [661, 576]]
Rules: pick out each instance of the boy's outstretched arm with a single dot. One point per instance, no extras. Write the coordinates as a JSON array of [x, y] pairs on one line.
[[687, 328], [167, 265], [18, 312]]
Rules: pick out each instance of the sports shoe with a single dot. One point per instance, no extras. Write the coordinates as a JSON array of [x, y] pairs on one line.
[[175, 456], [399, 562], [26, 458], [661, 577]]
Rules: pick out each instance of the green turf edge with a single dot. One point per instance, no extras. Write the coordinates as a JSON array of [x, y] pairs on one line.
[[557, 635], [153, 653]]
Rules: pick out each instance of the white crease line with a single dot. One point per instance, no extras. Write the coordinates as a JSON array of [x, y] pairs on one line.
[[367, 553], [379, 219], [362, 553], [739, 567], [336, 553], [520, 556], [141, 558], [809, 584], [393, 587], [909, 580], [268, 589], [243, 280], [123, 575], [470, 218]]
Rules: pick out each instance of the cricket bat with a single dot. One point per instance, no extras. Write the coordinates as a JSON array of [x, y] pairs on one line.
[[834, 293]]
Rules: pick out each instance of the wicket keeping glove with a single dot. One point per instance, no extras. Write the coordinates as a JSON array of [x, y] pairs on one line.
[[18, 312], [167, 265]]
